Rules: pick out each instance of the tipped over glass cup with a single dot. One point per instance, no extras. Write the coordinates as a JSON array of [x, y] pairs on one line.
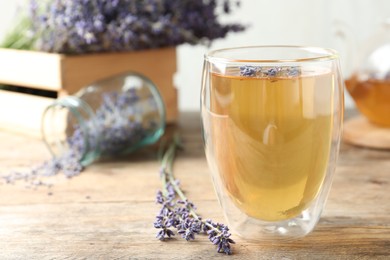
[[272, 119]]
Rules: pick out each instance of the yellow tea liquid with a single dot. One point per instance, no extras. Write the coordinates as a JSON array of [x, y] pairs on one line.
[[372, 97], [271, 140]]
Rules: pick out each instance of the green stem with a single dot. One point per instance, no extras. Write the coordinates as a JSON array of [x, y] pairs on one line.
[[167, 168], [167, 160], [17, 38]]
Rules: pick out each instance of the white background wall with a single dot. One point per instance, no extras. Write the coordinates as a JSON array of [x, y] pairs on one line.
[[298, 22]]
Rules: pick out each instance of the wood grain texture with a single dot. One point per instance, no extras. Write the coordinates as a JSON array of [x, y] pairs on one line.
[[108, 211]]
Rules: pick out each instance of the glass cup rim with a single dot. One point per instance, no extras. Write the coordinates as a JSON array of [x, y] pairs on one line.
[[323, 54]]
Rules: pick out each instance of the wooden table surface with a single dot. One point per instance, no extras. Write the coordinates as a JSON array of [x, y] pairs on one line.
[[108, 211]]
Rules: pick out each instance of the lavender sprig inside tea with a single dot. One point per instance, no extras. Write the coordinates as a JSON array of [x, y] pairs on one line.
[[269, 71]]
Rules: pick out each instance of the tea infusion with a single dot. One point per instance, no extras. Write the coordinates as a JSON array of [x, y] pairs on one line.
[[274, 138]]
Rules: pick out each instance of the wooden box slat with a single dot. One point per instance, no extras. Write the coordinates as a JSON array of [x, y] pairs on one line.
[[31, 69], [22, 113], [66, 74]]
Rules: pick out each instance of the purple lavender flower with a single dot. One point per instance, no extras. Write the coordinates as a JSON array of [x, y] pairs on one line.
[[269, 72], [81, 26], [272, 72], [248, 71], [219, 235], [293, 71], [188, 228], [179, 213], [163, 222]]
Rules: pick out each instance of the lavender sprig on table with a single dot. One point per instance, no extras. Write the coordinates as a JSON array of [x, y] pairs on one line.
[[178, 213]]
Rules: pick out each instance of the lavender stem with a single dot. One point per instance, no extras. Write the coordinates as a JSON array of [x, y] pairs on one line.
[[181, 214]]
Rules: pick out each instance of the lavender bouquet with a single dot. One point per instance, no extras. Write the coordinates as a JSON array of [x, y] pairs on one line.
[[86, 26]]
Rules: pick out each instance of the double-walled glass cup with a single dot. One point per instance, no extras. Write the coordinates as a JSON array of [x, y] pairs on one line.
[[272, 118]]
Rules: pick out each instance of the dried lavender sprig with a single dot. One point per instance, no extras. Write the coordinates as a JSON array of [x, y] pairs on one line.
[[180, 213]]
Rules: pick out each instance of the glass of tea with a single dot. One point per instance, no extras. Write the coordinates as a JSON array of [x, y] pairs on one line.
[[272, 118]]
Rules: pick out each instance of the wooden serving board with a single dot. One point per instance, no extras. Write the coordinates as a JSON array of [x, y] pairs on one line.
[[359, 131]]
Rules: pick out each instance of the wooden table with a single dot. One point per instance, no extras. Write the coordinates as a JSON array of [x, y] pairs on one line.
[[108, 211]]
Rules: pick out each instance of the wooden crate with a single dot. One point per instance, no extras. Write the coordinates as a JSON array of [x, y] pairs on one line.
[[65, 75]]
